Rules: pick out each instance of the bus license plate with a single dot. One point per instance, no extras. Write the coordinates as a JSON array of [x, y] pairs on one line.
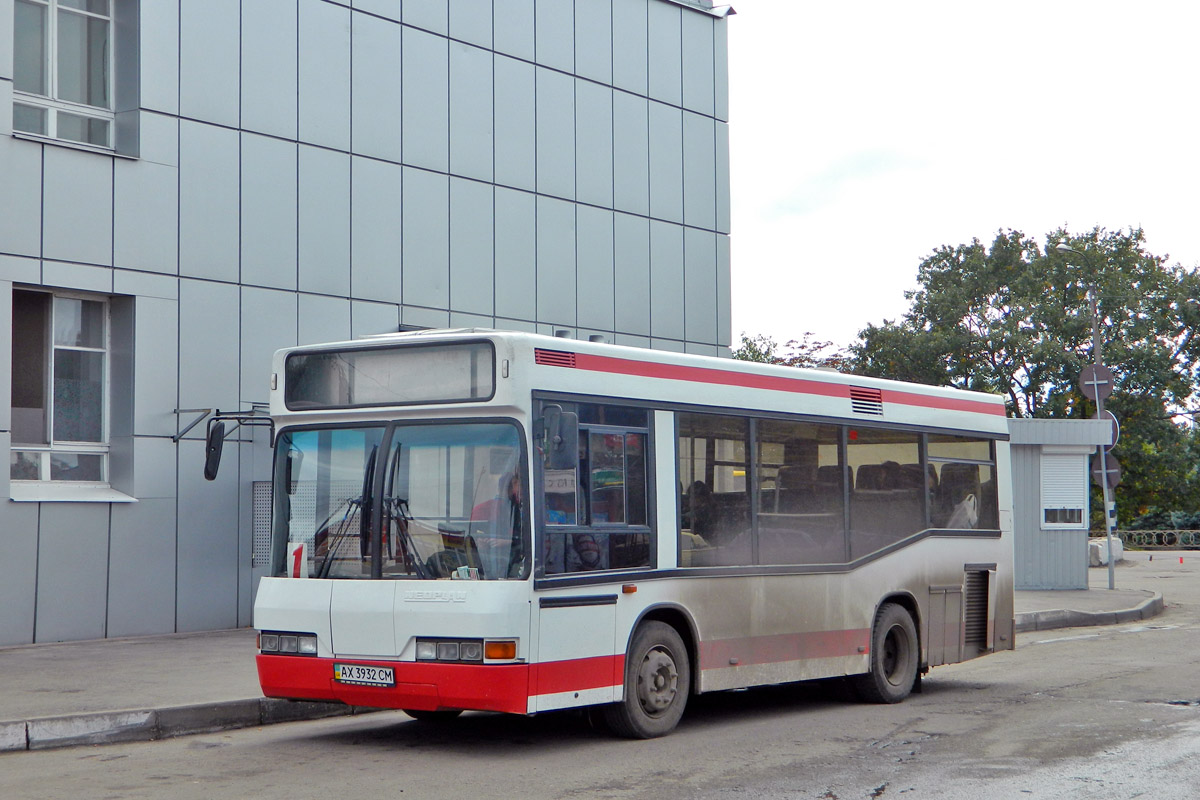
[[363, 675]]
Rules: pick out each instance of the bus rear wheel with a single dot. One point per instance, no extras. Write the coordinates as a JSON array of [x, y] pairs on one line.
[[441, 715], [657, 679], [894, 657]]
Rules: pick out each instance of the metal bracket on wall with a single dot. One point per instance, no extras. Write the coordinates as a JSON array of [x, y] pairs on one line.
[[257, 412], [203, 412]]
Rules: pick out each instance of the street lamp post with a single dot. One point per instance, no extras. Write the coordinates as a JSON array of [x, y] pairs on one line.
[[1100, 393]]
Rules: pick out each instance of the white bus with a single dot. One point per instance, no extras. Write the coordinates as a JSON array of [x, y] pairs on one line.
[[487, 520]]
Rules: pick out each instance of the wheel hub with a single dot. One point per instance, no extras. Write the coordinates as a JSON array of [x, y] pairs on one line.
[[658, 681]]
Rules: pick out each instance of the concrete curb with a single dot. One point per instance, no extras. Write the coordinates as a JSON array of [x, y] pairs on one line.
[[1063, 618], [111, 727]]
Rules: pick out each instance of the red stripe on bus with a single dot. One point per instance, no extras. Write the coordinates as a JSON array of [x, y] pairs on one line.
[[723, 653], [944, 403], [649, 369], [554, 677]]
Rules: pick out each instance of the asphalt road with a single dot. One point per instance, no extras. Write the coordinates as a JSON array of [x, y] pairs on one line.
[[1080, 713]]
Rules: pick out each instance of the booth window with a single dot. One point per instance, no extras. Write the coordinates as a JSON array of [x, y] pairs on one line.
[[63, 70], [59, 388], [1064, 491]]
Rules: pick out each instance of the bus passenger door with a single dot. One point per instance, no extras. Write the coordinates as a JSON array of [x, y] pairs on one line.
[[577, 661]]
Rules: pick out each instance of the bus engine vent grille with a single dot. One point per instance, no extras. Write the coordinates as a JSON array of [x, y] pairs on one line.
[[554, 358], [975, 616], [866, 401]]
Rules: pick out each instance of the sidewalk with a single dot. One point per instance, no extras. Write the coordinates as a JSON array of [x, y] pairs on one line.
[[153, 687]]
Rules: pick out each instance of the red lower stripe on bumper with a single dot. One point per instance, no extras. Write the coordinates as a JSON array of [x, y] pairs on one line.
[[419, 686]]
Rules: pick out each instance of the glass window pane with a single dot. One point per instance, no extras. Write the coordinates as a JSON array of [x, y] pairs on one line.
[[76, 467], [887, 499], [83, 59], [389, 376], [965, 497], [78, 396], [560, 492], [715, 526], [607, 454], [801, 518], [30, 359], [959, 447], [78, 323], [325, 472], [88, 130], [29, 119], [29, 52], [24, 466], [617, 416], [92, 6], [635, 477]]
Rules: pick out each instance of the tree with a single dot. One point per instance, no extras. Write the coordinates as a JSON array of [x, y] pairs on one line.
[[796, 353], [1015, 319]]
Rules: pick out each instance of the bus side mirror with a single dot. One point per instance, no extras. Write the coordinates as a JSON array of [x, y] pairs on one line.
[[561, 437], [212, 449]]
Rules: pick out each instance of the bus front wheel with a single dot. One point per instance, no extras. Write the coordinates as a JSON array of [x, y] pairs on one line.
[[894, 657], [657, 678]]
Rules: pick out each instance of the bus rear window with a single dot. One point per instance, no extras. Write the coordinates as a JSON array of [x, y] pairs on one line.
[[390, 376]]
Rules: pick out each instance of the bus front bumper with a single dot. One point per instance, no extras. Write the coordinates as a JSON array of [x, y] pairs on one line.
[[419, 686]]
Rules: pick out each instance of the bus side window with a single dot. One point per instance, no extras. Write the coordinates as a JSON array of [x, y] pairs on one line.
[[888, 500], [714, 464], [595, 515]]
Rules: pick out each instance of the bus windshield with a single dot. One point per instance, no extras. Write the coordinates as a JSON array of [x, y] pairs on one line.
[[419, 501]]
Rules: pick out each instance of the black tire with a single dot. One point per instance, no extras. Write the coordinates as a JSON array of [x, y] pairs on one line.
[[439, 716], [658, 678], [895, 654]]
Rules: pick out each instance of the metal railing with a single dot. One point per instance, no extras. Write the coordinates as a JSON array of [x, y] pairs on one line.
[[1164, 539]]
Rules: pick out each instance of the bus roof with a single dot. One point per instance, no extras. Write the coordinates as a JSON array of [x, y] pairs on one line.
[[572, 366]]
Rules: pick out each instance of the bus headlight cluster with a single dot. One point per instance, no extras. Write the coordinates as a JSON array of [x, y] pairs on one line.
[[470, 650], [450, 650], [299, 644]]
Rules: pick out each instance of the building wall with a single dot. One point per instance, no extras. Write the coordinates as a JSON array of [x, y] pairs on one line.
[[1043, 559], [292, 171]]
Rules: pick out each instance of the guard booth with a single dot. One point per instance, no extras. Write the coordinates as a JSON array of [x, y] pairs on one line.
[[1051, 490]]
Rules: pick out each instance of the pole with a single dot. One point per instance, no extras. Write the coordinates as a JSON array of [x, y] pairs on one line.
[[1098, 359]]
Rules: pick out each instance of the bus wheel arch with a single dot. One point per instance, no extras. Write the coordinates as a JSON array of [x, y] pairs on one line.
[[895, 653], [657, 681], [684, 625]]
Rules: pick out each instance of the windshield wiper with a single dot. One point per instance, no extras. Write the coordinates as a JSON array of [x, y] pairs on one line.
[[336, 538], [399, 515]]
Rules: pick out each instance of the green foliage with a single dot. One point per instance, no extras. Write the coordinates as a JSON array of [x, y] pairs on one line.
[[796, 353], [1015, 319]]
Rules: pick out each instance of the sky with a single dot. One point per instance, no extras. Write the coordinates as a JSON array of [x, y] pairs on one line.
[[864, 135]]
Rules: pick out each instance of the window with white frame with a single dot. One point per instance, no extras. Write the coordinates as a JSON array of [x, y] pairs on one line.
[[1064, 491], [59, 387], [63, 70]]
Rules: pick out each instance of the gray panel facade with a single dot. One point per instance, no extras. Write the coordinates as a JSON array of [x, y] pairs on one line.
[[310, 170], [1046, 557]]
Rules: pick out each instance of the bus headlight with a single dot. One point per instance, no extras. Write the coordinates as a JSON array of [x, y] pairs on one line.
[[450, 650], [302, 644]]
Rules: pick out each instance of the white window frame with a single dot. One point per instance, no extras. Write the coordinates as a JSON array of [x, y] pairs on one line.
[[46, 451], [49, 103], [1063, 484]]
